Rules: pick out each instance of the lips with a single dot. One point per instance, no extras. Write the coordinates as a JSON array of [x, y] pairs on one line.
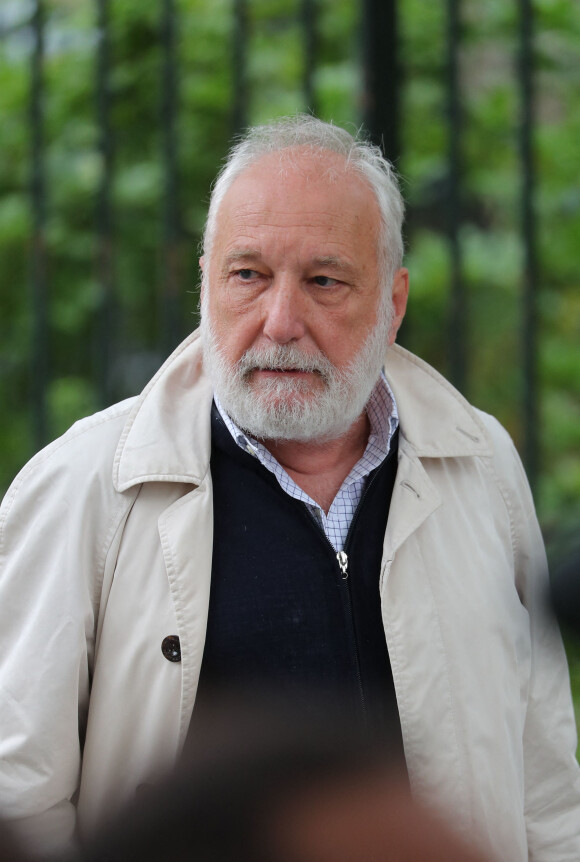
[[300, 371], [279, 361], [285, 370]]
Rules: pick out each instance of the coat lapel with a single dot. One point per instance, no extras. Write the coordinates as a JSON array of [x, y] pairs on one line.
[[414, 499]]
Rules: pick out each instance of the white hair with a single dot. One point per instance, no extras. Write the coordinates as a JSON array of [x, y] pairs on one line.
[[361, 157]]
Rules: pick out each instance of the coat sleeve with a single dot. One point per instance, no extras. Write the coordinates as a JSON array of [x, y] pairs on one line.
[[56, 524], [552, 774]]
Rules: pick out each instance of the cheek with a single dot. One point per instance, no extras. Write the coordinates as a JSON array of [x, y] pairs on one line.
[[341, 339], [233, 306], [234, 334]]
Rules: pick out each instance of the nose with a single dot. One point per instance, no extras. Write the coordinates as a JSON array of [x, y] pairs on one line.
[[284, 313]]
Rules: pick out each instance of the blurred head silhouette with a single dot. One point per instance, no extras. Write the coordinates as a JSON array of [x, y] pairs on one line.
[[256, 785]]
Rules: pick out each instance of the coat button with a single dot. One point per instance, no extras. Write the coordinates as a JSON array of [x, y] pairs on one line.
[[171, 648]]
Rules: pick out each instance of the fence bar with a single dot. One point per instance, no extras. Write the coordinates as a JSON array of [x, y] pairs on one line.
[[171, 324], [104, 213], [381, 75], [308, 15], [240, 37], [458, 310], [530, 267], [40, 338]]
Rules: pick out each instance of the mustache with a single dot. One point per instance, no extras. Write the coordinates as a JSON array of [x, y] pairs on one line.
[[280, 357]]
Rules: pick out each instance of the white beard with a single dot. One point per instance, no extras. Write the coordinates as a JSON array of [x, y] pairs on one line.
[[288, 409]]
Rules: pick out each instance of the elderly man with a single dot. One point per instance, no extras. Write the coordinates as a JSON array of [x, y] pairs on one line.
[[292, 501]]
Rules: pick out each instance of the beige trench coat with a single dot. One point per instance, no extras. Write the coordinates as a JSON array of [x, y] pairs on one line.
[[105, 549]]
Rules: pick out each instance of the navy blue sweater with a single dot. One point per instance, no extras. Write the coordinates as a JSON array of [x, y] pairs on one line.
[[282, 616]]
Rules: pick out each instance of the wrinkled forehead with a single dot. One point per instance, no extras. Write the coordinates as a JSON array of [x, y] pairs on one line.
[[305, 163], [299, 188]]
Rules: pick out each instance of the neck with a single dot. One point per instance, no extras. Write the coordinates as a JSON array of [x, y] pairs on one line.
[[320, 468]]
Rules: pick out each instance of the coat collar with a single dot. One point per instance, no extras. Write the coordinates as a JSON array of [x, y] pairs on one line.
[[435, 418], [167, 436]]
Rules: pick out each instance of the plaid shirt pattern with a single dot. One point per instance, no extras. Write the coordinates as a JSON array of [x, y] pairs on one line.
[[383, 419]]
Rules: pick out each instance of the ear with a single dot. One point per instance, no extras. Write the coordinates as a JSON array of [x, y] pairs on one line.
[[400, 295]]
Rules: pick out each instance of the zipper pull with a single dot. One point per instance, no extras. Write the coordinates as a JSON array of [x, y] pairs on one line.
[[343, 563]]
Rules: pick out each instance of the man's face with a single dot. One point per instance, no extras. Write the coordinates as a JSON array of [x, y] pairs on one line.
[[294, 315]]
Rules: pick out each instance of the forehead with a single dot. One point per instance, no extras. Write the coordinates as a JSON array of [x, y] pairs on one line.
[[312, 198]]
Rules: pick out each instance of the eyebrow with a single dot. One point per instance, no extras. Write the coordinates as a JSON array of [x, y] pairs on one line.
[[332, 262], [242, 254]]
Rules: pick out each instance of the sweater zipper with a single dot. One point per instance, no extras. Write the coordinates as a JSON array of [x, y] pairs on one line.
[[343, 565], [343, 562], [342, 556], [342, 559]]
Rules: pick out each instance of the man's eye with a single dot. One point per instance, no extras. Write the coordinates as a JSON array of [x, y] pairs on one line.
[[247, 274], [324, 281]]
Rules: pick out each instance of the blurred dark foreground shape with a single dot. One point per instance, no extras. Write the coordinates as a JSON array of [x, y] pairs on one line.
[[276, 784], [10, 850], [259, 785], [565, 590]]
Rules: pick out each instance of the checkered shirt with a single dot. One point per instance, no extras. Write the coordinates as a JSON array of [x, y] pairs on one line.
[[383, 419]]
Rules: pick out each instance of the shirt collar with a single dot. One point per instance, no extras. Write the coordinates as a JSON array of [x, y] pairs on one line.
[[383, 418]]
